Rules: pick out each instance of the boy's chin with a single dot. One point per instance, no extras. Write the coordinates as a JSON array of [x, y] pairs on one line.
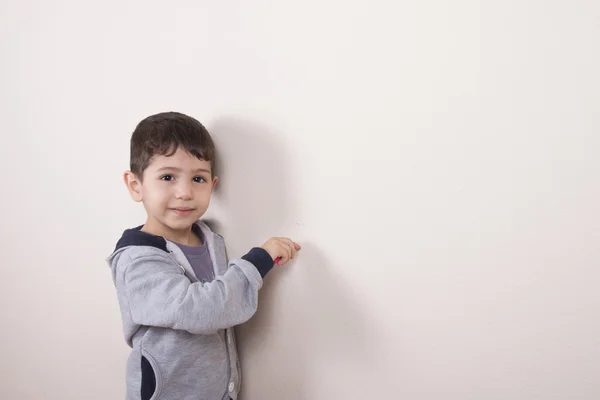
[[182, 223]]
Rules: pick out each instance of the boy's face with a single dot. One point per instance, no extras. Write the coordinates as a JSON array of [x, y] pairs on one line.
[[175, 190]]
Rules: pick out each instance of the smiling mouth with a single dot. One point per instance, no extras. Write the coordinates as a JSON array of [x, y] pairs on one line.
[[182, 211]]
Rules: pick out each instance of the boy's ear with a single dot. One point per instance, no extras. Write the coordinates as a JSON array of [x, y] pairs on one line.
[[133, 185], [214, 182]]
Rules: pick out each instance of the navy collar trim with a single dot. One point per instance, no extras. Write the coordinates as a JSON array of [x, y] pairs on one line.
[[135, 237]]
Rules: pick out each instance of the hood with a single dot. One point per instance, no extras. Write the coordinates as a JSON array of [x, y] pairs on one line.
[[136, 237]]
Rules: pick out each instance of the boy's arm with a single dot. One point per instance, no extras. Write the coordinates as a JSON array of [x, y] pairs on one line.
[[159, 294]]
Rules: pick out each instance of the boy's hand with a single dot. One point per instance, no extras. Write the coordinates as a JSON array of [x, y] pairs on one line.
[[281, 250]]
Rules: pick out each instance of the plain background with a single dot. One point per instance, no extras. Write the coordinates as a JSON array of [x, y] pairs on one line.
[[438, 160]]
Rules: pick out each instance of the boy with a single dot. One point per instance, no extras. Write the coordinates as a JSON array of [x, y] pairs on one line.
[[178, 295]]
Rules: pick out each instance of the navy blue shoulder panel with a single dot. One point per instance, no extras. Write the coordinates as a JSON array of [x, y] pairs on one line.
[[135, 237]]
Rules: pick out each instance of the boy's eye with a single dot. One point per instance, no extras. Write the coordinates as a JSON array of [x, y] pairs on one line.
[[167, 177], [199, 179]]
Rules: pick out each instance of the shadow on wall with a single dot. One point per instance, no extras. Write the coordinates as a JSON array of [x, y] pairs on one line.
[[251, 197], [309, 324]]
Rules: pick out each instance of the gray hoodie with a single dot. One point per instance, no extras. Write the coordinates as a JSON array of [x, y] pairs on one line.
[[181, 330]]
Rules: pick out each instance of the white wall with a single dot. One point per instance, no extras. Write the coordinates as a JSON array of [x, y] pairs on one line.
[[437, 159]]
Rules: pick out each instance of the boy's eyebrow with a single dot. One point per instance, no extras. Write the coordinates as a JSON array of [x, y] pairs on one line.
[[179, 169]]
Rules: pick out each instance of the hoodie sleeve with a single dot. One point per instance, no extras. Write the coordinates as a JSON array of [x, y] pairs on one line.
[[159, 294]]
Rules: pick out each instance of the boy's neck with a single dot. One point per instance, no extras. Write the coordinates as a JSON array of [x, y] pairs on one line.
[[186, 237]]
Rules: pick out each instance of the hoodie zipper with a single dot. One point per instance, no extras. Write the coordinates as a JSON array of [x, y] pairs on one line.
[[176, 262]]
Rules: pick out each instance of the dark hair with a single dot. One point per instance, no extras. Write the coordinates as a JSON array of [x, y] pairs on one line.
[[162, 134]]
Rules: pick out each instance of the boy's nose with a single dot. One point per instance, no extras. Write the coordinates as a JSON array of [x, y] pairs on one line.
[[184, 192]]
